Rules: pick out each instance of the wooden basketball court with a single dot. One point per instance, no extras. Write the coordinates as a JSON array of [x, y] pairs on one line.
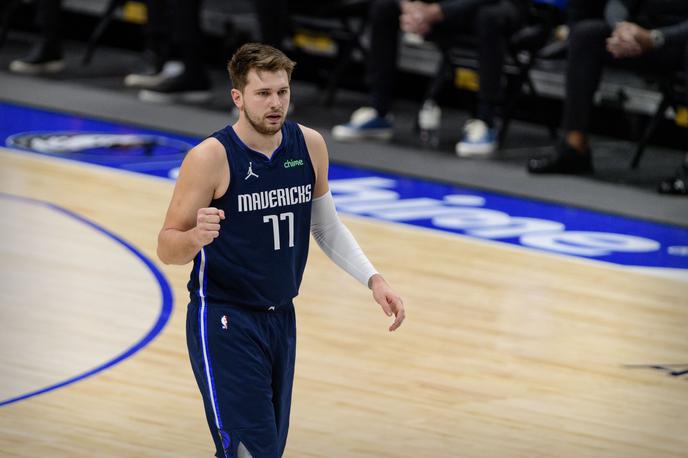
[[505, 351]]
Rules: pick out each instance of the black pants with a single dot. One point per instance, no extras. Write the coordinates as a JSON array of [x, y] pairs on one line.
[[158, 33], [48, 21], [174, 31], [492, 23], [587, 57], [186, 31], [579, 10], [273, 18], [272, 21]]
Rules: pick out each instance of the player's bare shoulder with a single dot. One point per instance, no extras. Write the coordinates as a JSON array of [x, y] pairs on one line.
[[317, 150], [207, 154], [207, 162], [316, 146], [312, 136]]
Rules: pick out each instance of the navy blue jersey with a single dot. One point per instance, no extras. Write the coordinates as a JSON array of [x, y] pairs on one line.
[[259, 257]]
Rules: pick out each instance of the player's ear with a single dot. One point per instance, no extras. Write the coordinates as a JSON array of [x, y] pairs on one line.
[[237, 98]]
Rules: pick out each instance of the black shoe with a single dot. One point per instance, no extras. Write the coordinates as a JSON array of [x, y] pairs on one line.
[[566, 160], [181, 88], [42, 59]]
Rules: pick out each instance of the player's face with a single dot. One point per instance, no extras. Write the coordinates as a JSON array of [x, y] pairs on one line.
[[266, 100]]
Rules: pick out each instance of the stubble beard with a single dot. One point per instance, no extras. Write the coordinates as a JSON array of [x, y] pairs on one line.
[[262, 128]]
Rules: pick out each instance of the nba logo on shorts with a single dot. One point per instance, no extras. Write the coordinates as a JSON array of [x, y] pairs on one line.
[[225, 321]]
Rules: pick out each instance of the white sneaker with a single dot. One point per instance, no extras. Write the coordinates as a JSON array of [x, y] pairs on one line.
[[429, 116], [143, 81], [429, 121], [37, 68], [365, 123], [477, 140]]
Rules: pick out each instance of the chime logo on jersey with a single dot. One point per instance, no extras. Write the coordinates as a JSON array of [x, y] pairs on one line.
[[281, 197], [289, 163], [225, 322]]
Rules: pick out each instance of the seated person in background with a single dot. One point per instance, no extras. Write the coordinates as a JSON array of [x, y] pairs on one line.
[[161, 61], [46, 55], [678, 184], [651, 35], [187, 81], [493, 21], [578, 10], [190, 81]]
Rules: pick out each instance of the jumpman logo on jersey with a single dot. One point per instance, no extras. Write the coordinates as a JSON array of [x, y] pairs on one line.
[[251, 173]]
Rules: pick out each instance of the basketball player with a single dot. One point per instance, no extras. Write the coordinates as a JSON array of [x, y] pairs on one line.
[[242, 209]]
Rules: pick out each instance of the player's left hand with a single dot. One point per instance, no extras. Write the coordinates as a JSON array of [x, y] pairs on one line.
[[391, 302]]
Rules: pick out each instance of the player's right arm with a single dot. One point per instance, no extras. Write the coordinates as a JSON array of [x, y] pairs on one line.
[[190, 224]]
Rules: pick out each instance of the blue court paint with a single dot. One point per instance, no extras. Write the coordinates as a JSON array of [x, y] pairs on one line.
[[163, 316], [167, 153], [491, 216], [482, 215]]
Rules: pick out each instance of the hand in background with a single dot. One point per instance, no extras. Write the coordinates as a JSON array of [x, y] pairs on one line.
[[629, 40], [419, 17]]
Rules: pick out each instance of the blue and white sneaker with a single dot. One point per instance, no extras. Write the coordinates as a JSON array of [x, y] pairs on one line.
[[364, 124], [478, 140]]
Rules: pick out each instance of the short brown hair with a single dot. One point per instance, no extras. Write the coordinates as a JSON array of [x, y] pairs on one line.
[[260, 57]]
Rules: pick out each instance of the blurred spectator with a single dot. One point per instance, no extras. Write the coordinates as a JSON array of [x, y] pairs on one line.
[[171, 24], [192, 82], [579, 10], [678, 184], [650, 35], [493, 22], [273, 19], [576, 10], [45, 56], [161, 60]]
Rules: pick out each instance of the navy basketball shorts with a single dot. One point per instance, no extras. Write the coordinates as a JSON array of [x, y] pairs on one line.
[[243, 360]]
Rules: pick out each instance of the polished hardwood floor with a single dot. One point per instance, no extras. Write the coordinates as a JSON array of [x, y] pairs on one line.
[[505, 351]]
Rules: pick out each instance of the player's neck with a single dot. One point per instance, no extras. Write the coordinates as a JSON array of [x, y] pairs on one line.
[[262, 143]]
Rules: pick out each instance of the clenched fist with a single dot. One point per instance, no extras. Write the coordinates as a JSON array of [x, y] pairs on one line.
[[208, 225]]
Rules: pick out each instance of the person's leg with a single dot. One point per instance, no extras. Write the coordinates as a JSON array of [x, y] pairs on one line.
[[373, 122], [587, 57], [158, 56], [445, 35], [48, 20], [186, 25], [272, 21], [193, 83], [229, 348], [685, 69], [579, 10], [494, 24], [382, 55], [284, 350], [678, 184], [46, 54], [157, 32]]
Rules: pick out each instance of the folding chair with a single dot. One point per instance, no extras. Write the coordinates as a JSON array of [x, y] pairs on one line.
[[674, 91], [342, 21]]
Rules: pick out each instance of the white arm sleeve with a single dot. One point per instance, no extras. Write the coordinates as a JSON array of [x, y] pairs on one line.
[[336, 240]]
